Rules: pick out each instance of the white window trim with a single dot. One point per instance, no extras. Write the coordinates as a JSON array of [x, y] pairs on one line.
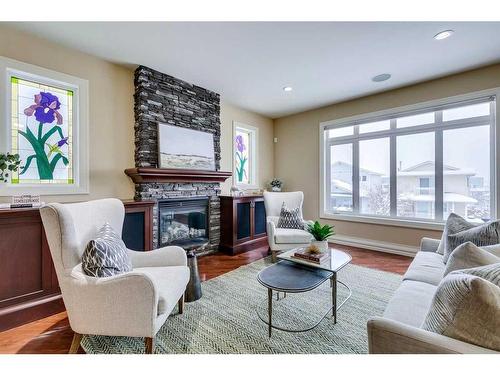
[[9, 67], [372, 116], [253, 148]]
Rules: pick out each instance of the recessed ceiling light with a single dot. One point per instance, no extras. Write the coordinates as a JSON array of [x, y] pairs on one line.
[[287, 88], [443, 34], [381, 77]]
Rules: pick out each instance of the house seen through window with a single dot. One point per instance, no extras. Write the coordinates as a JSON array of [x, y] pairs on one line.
[[421, 166]]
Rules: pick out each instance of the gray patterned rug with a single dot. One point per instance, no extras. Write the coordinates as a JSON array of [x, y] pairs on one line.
[[225, 319]]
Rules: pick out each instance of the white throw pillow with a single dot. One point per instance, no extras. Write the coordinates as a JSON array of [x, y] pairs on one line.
[[469, 255]]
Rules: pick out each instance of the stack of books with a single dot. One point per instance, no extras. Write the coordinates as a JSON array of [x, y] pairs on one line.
[[9, 206], [23, 201], [304, 254]]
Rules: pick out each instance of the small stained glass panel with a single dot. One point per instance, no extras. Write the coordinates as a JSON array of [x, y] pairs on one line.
[[41, 132], [242, 157]]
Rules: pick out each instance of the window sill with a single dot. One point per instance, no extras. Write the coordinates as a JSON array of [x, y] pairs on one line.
[[247, 186], [389, 221]]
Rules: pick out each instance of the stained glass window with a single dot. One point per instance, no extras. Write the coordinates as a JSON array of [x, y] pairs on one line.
[[245, 154], [42, 132]]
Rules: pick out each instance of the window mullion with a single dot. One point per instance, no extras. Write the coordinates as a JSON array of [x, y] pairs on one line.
[[493, 154], [355, 177], [438, 164], [393, 172], [328, 175]]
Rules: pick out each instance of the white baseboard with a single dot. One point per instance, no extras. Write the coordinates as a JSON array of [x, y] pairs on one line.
[[386, 247]]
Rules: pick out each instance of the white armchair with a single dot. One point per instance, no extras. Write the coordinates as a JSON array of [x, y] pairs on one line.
[[281, 239], [135, 303]]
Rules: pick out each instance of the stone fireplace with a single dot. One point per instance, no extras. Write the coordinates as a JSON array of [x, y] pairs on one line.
[[160, 98]]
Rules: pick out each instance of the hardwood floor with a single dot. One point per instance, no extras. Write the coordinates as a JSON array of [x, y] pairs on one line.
[[53, 335]]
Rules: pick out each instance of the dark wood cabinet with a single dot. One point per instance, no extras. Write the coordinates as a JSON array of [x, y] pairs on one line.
[[243, 223], [28, 282], [138, 225]]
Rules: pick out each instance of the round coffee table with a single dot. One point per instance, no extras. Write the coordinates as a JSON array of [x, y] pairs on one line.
[[289, 276]]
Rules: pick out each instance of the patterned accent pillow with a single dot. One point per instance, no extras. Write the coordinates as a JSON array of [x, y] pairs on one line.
[[481, 235], [454, 224], [290, 218], [469, 255], [466, 305], [106, 255]]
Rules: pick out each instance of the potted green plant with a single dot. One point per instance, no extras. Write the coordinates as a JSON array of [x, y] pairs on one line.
[[8, 163], [321, 234]]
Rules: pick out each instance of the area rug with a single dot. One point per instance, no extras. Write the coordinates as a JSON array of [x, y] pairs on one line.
[[225, 320]]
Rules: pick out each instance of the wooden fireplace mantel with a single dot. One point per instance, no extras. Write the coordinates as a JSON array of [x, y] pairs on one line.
[[147, 175]]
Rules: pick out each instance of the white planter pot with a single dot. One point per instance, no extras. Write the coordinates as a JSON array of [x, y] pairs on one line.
[[321, 245], [275, 188]]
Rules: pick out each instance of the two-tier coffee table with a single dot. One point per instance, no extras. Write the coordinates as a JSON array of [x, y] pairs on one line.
[[292, 275]]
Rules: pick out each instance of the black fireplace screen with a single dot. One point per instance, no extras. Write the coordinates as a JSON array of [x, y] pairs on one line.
[[183, 222]]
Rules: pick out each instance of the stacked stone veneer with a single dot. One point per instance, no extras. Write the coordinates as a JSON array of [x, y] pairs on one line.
[[160, 98]]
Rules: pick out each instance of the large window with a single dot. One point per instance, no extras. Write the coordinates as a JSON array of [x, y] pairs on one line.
[[412, 165]]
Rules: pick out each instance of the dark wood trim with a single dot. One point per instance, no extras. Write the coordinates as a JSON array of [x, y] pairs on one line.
[[147, 208], [146, 175], [150, 345]]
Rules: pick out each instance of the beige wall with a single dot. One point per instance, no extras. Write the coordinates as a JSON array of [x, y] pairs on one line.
[[111, 117], [230, 113], [296, 154]]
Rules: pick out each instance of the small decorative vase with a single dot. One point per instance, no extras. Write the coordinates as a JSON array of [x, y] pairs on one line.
[[275, 188], [321, 245]]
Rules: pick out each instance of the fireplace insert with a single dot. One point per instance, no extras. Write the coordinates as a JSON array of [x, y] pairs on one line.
[[183, 222]]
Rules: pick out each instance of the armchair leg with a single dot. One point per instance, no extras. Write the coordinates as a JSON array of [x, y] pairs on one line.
[[75, 344], [181, 304], [150, 345], [273, 255]]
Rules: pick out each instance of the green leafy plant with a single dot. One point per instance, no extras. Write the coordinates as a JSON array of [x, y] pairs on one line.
[[320, 232], [8, 163]]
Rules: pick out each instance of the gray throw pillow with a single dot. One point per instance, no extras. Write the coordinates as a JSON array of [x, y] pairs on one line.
[[490, 272], [106, 254], [481, 235], [454, 224], [465, 307], [469, 255], [492, 249], [290, 218]]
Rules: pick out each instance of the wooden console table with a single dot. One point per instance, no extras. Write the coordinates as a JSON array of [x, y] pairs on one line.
[[28, 283]]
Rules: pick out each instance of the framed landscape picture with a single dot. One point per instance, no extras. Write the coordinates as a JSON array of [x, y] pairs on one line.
[[182, 148]]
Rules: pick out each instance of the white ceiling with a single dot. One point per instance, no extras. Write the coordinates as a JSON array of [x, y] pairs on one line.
[[250, 63]]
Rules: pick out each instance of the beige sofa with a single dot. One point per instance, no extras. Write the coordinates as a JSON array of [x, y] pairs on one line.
[[398, 331]]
